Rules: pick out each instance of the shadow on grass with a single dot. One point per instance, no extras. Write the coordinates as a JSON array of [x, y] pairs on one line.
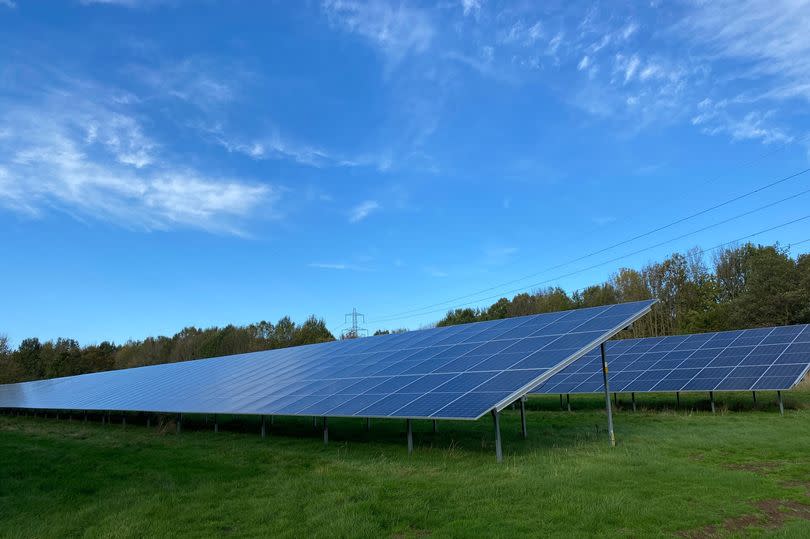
[[550, 425], [766, 401], [545, 430]]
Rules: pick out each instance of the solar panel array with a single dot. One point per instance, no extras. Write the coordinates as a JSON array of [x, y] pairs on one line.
[[773, 358], [454, 372]]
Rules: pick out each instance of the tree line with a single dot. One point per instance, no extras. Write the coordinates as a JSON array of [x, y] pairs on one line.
[[33, 359], [741, 287]]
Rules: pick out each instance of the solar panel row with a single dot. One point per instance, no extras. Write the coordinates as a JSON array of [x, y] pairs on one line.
[[775, 358], [455, 372]]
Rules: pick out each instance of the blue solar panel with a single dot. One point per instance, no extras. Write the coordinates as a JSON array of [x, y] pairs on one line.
[[457, 372], [773, 358]]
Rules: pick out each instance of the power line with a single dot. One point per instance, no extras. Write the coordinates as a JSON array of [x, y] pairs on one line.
[[713, 225], [533, 285], [732, 242], [613, 246]]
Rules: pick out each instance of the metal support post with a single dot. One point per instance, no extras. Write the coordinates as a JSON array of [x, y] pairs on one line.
[[711, 398], [435, 428], [754, 393], [314, 423], [496, 418], [179, 423], [561, 404], [325, 432], [368, 424], [523, 417], [615, 398], [272, 420], [633, 396], [264, 427], [677, 399], [568, 400], [148, 421], [607, 395], [781, 403], [409, 427], [123, 420], [216, 423]]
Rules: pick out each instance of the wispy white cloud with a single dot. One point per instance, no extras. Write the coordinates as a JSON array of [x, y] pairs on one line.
[[123, 3], [363, 210], [203, 82], [484, 63], [75, 154], [8, 3], [769, 37], [471, 7], [716, 118], [522, 33], [397, 29], [338, 266], [121, 135], [278, 146], [627, 66]]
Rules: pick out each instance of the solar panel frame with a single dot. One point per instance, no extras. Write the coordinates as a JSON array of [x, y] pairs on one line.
[[293, 381], [731, 353]]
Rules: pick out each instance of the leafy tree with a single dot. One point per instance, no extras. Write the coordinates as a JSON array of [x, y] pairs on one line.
[[746, 286], [312, 331], [10, 369], [803, 271], [771, 294], [459, 316], [27, 356]]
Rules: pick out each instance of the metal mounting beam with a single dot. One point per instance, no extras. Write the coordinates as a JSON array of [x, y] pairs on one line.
[[496, 418], [523, 417], [607, 395], [409, 428]]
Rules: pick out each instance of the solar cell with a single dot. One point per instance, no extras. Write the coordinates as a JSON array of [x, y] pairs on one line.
[[456, 372], [775, 358]]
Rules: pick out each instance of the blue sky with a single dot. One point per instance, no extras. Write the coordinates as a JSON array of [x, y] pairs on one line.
[[164, 164]]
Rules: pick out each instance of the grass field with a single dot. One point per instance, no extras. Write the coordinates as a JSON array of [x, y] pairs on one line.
[[744, 471]]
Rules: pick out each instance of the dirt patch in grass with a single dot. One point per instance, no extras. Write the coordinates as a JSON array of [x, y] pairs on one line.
[[759, 468], [771, 515], [802, 484]]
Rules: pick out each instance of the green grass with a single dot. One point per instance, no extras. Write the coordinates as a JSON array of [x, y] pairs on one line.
[[673, 472]]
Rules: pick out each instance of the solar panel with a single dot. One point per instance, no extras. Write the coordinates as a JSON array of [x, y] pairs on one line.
[[454, 372], [775, 358]]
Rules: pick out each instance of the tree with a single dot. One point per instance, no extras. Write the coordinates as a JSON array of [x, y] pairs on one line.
[[10, 369], [459, 316], [28, 357], [803, 278], [284, 335], [771, 294], [312, 331], [596, 295]]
